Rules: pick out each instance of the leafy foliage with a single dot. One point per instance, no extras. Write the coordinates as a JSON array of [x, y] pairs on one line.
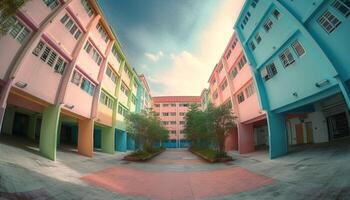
[[209, 128], [146, 128], [8, 9]]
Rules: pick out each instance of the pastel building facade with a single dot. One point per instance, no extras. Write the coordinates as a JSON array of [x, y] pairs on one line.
[[298, 53], [231, 83], [172, 111], [65, 79]]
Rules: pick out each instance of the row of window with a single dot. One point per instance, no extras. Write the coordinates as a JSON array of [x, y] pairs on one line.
[[172, 105], [94, 53], [83, 82], [173, 122], [124, 89], [106, 100], [249, 91], [172, 114], [133, 99], [50, 57], [174, 131], [267, 26], [18, 30], [122, 110], [224, 85], [52, 4], [328, 21], [127, 72], [241, 64], [247, 15], [69, 23], [87, 7], [111, 74], [115, 53], [102, 32], [286, 58]]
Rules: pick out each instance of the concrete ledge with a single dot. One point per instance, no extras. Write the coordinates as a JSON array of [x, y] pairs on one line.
[[216, 160], [135, 159]]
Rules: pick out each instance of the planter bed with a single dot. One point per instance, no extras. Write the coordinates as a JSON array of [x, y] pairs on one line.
[[141, 156], [207, 155]]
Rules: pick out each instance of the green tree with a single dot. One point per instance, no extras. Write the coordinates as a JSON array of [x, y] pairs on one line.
[[220, 121], [146, 128], [8, 9]]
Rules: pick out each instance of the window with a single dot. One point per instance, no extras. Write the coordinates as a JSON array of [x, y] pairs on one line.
[[269, 71], [133, 99], [87, 7], [71, 26], [224, 85], [106, 100], [50, 57], [287, 58], [254, 3], [249, 91], [165, 114], [165, 122], [76, 78], [173, 114], [157, 105], [124, 89], [183, 104], [172, 122], [110, 73], [122, 110], [268, 25], [329, 22], [165, 105], [93, 54], [182, 131], [215, 95], [18, 31], [87, 86], [242, 62], [182, 114], [83, 82], [228, 54], [182, 122], [234, 43], [173, 131], [298, 48], [257, 38], [234, 73], [276, 13], [52, 4], [240, 97], [115, 53], [102, 32], [173, 105], [343, 6], [252, 45]]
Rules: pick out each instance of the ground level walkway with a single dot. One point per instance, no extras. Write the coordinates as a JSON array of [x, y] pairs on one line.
[[313, 172]]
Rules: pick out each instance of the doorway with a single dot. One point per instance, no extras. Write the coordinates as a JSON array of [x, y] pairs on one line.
[[299, 133], [20, 125], [309, 133], [338, 126]]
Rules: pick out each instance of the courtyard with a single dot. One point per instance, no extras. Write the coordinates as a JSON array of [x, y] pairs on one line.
[[309, 172]]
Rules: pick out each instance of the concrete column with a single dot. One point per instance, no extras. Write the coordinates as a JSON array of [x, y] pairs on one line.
[[32, 126], [48, 132], [345, 91], [4, 92], [277, 134], [107, 139], [59, 133], [9, 117], [121, 139], [85, 137], [245, 138]]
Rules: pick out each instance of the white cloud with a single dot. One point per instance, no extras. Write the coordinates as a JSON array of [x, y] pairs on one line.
[[155, 56], [144, 67], [189, 72]]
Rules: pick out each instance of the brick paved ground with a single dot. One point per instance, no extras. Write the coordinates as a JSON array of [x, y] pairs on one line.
[[317, 172]]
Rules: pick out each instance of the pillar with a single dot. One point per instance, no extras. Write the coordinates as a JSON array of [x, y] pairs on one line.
[[32, 126], [345, 91], [8, 119], [85, 137], [107, 140], [48, 132], [245, 138], [277, 134], [121, 139], [59, 133], [4, 93]]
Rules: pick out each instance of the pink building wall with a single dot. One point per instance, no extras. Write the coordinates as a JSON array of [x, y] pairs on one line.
[[248, 111], [177, 109]]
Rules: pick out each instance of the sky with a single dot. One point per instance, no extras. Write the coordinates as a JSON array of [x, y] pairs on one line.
[[174, 43]]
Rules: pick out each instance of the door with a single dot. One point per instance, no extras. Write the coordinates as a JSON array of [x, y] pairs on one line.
[[21, 124], [338, 126], [309, 132], [299, 133]]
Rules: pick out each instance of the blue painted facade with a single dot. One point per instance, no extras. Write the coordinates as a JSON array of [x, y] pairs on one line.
[[308, 74], [120, 140], [130, 142]]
